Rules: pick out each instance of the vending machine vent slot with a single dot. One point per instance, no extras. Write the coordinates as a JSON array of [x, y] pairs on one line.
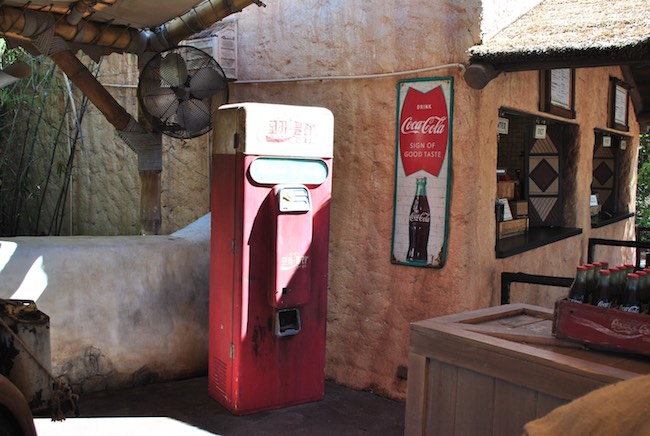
[[219, 375]]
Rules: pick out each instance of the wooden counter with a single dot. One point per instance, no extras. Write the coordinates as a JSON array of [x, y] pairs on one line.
[[492, 370]]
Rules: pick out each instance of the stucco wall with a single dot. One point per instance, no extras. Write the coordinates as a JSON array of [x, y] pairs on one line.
[[371, 301], [124, 310]]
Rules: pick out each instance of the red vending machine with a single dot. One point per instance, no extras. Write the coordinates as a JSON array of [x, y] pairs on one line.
[[271, 189]]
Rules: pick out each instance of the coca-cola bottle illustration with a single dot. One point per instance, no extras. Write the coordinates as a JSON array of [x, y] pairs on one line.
[[419, 224]]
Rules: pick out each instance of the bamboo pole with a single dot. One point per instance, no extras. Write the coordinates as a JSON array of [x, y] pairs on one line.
[[88, 84]]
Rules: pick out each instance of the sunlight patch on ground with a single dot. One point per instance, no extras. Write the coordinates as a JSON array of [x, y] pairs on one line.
[[159, 426]]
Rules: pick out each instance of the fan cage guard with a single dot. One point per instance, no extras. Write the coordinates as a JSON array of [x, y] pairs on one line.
[[177, 88]]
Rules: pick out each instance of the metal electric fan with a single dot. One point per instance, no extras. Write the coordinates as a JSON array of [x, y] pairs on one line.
[[177, 88]]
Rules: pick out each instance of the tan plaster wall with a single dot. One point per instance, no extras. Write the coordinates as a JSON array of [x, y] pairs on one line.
[[371, 301]]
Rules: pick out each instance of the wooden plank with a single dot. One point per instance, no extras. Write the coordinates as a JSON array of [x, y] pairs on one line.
[[474, 404], [492, 313], [447, 333], [519, 321], [514, 406], [416, 396], [546, 403], [441, 409], [551, 373], [522, 335], [633, 364]]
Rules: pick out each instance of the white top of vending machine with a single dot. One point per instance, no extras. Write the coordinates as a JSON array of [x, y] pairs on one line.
[[274, 130]]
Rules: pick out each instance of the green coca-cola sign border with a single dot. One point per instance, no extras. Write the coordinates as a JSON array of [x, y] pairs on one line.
[[423, 150]]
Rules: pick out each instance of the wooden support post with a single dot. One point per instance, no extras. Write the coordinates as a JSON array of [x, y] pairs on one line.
[[88, 84], [150, 181], [150, 214]]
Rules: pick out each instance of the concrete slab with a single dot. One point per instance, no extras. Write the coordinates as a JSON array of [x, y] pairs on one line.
[[184, 408]]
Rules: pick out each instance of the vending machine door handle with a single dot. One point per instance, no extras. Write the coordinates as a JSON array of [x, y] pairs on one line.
[[292, 239]]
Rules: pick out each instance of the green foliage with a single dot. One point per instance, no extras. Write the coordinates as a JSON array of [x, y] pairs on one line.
[[643, 183], [38, 136]]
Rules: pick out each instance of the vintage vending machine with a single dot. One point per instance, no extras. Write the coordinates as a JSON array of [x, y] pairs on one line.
[[271, 189]]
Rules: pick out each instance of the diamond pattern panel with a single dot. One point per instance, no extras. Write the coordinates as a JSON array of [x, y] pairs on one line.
[[544, 146], [603, 173], [545, 210], [544, 175], [604, 152]]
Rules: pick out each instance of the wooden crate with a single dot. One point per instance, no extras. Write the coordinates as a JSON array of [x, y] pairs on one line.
[[597, 327], [513, 227], [492, 370], [519, 208]]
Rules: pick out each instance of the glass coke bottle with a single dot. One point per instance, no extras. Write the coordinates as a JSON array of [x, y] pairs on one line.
[[617, 282], [592, 278], [578, 292], [630, 300], [602, 295]]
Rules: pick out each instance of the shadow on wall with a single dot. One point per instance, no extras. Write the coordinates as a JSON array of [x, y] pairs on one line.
[[124, 310]]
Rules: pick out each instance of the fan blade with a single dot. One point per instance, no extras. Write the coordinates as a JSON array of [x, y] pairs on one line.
[[193, 115], [207, 82], [162, 105], [173, 69]]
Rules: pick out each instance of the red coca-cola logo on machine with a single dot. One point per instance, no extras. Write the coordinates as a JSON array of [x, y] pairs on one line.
[[423, 133]]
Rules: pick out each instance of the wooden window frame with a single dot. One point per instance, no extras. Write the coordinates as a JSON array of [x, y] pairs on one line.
[[616, 84], [545, 101]]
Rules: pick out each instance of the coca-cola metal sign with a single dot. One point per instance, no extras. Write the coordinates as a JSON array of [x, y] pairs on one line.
[[424, 120], [423, 131]]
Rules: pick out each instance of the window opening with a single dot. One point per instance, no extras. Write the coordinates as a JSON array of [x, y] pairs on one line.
[[609, 179]]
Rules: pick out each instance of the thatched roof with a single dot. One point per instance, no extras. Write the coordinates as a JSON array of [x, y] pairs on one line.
[[560, 28], [573, 33]]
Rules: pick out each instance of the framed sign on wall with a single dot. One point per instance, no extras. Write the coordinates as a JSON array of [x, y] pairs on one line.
[[619, 101], [423, 159], [557, 92]]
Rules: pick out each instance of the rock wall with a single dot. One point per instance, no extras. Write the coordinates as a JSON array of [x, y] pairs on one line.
[[104, 195]]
